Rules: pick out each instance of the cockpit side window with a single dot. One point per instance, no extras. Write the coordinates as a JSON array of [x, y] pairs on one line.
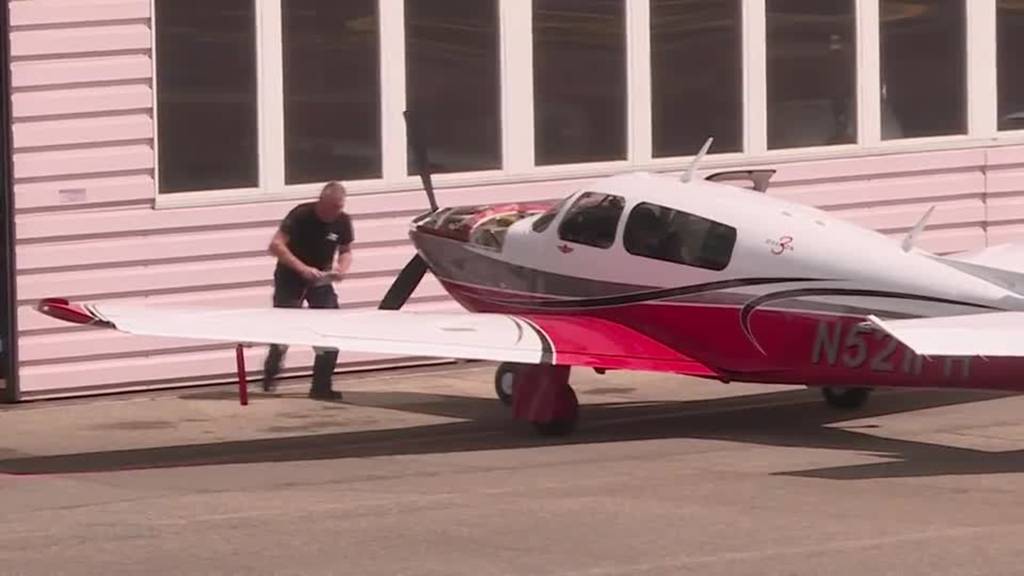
[[662, 233], [592, 220]]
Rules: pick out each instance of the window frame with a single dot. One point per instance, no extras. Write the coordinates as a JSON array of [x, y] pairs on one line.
[[989, 24], [516, 73]]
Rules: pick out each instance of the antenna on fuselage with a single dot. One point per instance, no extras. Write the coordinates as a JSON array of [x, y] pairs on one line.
[[911, 237], [688, 176]]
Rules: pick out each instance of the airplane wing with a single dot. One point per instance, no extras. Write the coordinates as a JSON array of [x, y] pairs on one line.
[[992, 334], [526, 339]]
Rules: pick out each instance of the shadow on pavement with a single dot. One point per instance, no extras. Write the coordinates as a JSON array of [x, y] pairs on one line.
[[790, 418]]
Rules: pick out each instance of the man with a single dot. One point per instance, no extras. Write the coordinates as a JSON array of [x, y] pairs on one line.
[[305, 245]]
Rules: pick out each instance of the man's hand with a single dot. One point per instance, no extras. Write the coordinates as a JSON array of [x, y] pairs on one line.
[[311, 274]]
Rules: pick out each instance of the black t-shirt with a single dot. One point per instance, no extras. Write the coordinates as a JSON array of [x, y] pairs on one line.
[[312, 240]]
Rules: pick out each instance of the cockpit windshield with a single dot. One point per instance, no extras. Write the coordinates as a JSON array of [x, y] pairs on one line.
[[544, 220]]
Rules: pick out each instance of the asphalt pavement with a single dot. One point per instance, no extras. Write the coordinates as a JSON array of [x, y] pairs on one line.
[[422, 471]]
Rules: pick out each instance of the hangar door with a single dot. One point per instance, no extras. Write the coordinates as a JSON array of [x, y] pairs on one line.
[[8, 321], [6, 337]]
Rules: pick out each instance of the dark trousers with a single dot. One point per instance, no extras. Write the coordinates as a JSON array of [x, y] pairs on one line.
[[290, 292]]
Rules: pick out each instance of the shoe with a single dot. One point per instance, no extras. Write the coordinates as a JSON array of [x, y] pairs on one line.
[[325, 395], [272, 366], [323, 368]]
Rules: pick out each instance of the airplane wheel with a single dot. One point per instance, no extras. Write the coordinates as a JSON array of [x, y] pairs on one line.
[[846, 398], [505, 382]]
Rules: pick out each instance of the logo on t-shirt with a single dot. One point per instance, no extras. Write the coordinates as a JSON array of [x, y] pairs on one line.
[[331, 236]]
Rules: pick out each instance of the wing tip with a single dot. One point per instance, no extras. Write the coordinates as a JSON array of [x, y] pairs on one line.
[[62, 309]]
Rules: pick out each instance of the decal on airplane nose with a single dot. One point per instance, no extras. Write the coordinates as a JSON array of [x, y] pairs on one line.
[[780, 246]]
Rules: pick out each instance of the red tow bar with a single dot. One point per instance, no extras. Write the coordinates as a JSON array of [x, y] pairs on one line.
[[243, 386]]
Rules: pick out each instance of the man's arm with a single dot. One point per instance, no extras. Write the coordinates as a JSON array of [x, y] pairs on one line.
[[343, 263], [279, 247]]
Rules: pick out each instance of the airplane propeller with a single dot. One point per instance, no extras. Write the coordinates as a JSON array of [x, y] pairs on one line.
[[411, 275]]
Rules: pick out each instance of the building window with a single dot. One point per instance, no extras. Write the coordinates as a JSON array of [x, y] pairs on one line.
[[579, 71], [331, 90], [453, 80], [812, 73], [593, 220], [208, 135], [696, 75], [664, 234], [924, 68], [1011, 64]]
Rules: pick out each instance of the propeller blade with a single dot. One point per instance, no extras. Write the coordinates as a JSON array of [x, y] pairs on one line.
[[419, 156], [403, 286]]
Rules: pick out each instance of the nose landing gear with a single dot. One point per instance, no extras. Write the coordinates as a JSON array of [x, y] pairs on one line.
[[540, 395]]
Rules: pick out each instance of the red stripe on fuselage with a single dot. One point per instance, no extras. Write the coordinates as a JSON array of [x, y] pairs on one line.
[[599, 343]]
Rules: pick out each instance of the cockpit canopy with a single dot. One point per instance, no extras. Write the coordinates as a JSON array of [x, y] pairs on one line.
[[651, 230], [593, 219]]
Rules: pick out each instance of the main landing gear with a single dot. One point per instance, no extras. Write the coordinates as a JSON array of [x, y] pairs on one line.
[[539, 394], [846, 398]]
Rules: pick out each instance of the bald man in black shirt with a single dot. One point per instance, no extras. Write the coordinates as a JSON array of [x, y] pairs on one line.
[[306, 243]]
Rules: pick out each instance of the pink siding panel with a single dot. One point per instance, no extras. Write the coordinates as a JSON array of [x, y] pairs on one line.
[[31, 74], [899, 188], [148, 220], [1006, 155], [1005, 233], [114, 37], [82, 161], [1006, 180], [905, 216], [1006, 208], [81, 100], [138, 126], [206, 244], [899, 164], [84, 191], [39, 12]]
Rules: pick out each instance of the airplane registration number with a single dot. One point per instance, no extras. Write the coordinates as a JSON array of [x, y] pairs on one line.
[[853, 346]]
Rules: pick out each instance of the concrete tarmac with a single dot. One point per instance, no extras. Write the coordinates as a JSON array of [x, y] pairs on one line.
[[423, 472]]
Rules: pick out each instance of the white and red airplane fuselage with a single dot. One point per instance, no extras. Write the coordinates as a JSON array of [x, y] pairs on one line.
[[784, 295]]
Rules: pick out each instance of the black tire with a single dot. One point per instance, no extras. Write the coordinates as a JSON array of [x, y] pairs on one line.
[[846, 398], [505, 382]]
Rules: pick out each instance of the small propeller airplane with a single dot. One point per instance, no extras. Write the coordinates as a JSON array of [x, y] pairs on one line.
[[639, 271]]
